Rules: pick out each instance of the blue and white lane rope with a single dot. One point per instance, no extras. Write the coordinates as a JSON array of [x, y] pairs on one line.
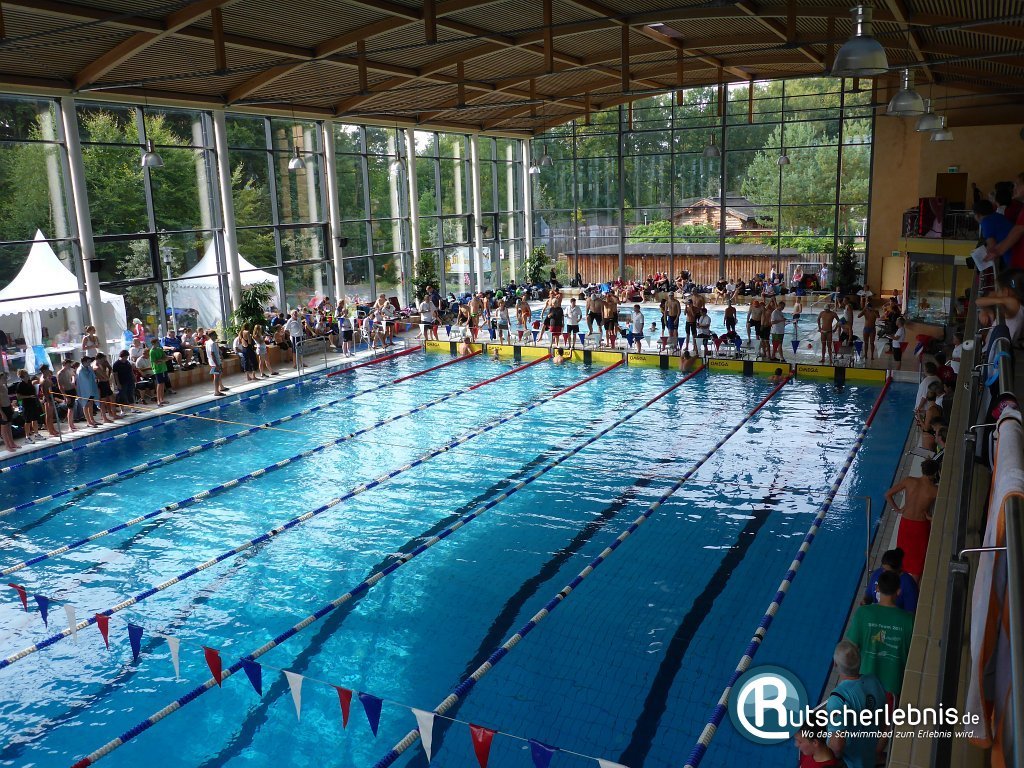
[[203, 495], [366, 584], [52, 639], [163, 419], [195, 449], [467, 683], [722, 707]]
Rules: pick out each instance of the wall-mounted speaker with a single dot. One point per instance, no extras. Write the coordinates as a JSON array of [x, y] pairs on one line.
[[342, 242], [96, 265]]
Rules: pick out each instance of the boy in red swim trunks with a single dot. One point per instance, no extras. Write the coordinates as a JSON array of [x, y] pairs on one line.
[[915, 515]]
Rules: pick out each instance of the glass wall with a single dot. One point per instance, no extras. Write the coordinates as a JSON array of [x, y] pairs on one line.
[[33, 175], [638, 190], [152, 225]]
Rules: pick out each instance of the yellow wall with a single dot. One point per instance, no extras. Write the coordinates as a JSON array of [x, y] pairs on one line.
[[905, 166]]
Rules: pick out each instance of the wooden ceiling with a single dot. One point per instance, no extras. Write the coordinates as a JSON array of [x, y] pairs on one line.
[[506, 66]]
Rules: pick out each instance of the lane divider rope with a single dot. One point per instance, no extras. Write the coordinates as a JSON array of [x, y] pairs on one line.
[[172, 418], [202, 495], [195, 449], [464, 687], [366, 584], [381, 359], [722, 707], [274, 532]]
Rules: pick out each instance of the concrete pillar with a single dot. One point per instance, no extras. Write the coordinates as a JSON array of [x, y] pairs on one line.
[[227, 206], [478, 233], [333, 209], [510, 188], [312, 196], [412, 187], [527, 198], [82, 218]]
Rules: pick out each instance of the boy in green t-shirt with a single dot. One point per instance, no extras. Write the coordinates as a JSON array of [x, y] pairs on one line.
[[883, 632], [158, 358]]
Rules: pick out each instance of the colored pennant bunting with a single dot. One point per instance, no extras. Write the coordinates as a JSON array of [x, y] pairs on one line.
[[295, 684], [796, 345], [609, 764], [174, 645], [482, 738], [255, 674], [345, 699], [372, 706], [135, 639], [69, 611], [425, 722], [22, 594], [213, 662], [103, 622], [44, 608], [541, 753]]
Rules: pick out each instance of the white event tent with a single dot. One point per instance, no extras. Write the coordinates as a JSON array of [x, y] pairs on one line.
[[199, 288], [44, 284]]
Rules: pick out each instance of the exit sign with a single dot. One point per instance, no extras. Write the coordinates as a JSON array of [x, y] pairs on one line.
[[953, 169], [895, 254]]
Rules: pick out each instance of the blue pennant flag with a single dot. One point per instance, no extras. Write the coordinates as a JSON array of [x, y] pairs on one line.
[[796, 345], [491, 331], [535, 335], [583, 338], [372, 705], [255, 674], [135, 638], [44, 608], [541, 753], [448, 330]]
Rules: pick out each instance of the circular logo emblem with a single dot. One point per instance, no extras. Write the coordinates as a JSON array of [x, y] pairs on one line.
[[766, 703]]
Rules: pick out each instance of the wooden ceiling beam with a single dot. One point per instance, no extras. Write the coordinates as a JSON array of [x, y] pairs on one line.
[[787, 33], [140, 41], [902, 16]]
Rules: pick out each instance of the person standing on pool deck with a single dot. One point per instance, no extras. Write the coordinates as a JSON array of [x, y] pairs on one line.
[[703, 329], [858, 693], [827, 321], [158, 358], [66, 387], [6, 415], [730, 317], [295, 332], [915, 515], [595, 308], [213, 358], [691, 324], [672, 311], [753, 317], [556, 317], [778, 331], [124, 375], [882, 633], [573, 317], [637, 327], [870, 315], [610, 314]]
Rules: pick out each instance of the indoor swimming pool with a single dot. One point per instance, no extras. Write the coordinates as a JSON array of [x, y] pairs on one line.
[[525, 479]]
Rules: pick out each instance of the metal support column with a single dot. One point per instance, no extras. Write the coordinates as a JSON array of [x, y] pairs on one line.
[[83, 220], [334, 210], [227, 206]]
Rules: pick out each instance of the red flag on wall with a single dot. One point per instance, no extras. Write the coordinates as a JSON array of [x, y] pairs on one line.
[[482, 738]]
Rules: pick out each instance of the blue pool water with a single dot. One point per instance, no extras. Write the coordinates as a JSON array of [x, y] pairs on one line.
[[628, 668]]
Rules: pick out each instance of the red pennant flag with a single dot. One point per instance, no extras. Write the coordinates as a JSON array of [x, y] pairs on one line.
[[345, 699], [482, 738], [103, 622], [21, 593], [213, 662]]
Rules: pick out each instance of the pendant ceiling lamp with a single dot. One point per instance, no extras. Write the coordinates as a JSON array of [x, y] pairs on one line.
[[861, 55], [907, 102]]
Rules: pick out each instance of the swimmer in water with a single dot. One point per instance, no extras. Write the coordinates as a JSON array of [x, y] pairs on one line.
[[777, 377], [496, 357], [559, 357], [465, 348]]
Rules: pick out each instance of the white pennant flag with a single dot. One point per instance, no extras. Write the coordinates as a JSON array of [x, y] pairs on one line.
[[609, 764], [175, 644], [72, 621], [425, 721], [295, 683]]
